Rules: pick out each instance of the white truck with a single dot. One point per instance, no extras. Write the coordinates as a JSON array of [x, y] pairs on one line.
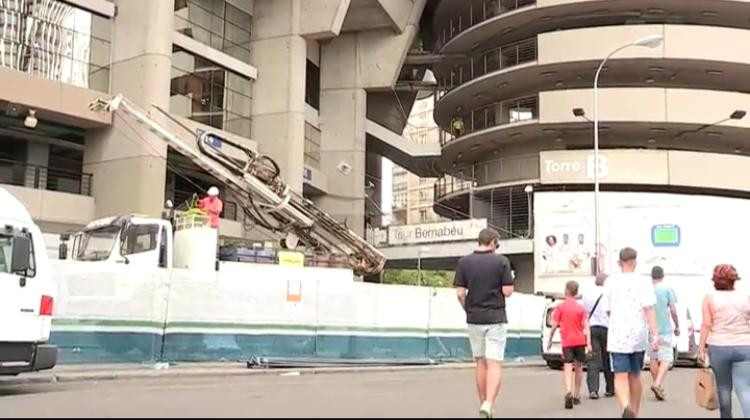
[[27, 292], [255, 182], [124, 271]]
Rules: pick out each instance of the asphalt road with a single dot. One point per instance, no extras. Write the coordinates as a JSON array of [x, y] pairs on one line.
[[527, 392]]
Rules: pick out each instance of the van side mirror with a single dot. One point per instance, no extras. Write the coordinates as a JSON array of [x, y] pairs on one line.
[[62, 249], [20, 259]]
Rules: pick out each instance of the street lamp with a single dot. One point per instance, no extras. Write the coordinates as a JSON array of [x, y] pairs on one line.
[[736, 115], [651, 41], [419, 263], [529, 189]]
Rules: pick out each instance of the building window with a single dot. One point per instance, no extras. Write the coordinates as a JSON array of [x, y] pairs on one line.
[[217, 24], [423, 215], [312, 85], [57, 41], [210, 94], [230, 211], [399, 200], [312, 146]]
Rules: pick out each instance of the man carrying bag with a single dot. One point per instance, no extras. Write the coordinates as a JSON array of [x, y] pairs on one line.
[[599, 358]]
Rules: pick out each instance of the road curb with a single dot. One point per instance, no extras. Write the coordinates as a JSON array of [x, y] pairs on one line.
[[183, 371]]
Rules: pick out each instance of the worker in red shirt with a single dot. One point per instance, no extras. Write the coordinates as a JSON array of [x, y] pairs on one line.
[[212, 206]]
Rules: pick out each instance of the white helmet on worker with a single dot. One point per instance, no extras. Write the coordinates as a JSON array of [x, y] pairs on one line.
[[213, 191]]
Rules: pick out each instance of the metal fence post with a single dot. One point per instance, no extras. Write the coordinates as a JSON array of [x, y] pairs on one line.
[[510, 211], [491, 220], [471, 193]]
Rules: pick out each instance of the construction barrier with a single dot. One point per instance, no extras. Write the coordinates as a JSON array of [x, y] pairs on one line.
[[247, 311]]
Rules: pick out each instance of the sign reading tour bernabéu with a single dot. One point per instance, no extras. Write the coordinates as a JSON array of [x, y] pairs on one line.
[[460, 230]]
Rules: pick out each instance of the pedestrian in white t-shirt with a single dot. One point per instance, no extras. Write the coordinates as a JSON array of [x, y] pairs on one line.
[[629, 298]]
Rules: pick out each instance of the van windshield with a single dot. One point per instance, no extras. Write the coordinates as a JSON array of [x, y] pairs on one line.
[[6, 248], [97, 244]]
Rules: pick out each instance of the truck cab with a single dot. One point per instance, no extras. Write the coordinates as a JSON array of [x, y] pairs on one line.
[[27, 292], [135, 241]]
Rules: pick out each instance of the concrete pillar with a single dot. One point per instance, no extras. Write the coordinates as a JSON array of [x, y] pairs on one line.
[[523, 266], [127, 161], [37, 158], [343, 109], [342, 123], [280, 53]]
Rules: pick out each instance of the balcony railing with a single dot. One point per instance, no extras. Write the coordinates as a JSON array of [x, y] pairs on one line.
[[498, 58], [492, 115], [506, 208], [475, 13], [503, 170], [44, 177], [449, 184]]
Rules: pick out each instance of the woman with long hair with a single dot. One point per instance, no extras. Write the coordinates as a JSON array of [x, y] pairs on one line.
[[725, 335]]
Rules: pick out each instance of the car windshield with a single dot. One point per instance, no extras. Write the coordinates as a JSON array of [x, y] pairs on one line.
[[97, 244]]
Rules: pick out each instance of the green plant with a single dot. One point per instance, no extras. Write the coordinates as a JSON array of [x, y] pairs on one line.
[[192, 207], [430, 278]]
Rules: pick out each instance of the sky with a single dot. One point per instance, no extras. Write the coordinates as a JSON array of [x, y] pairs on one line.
[[386, 190]]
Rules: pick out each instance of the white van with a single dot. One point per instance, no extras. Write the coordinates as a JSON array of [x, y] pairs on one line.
[[685, 346], [553, 357], [688, 342], [27, 292]]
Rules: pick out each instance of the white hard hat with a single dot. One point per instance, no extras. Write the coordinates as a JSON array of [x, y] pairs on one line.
[[213, 191]]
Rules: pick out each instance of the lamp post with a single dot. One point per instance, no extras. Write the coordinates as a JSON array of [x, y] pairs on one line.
[[651, 41], [419, 263], [529, 189]]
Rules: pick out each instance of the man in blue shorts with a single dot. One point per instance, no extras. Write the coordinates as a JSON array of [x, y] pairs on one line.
[[629, 299], [665, 309]]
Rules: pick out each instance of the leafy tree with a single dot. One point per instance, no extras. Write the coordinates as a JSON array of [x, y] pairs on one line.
[[431, 278]]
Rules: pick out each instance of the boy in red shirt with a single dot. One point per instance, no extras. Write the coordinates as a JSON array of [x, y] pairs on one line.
[[571, 317]]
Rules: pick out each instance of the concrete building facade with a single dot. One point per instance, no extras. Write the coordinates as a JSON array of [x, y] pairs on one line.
[[516, 102], [311, 84]]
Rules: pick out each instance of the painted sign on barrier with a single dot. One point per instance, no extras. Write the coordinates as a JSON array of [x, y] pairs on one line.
[[293, 291], [291, 259]]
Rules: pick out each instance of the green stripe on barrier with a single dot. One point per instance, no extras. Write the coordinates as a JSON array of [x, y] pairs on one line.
[[68, 322], [238, 326]]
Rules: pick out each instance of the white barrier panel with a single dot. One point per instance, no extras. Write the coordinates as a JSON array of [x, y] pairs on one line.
[[105, 314], [247, 310]]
